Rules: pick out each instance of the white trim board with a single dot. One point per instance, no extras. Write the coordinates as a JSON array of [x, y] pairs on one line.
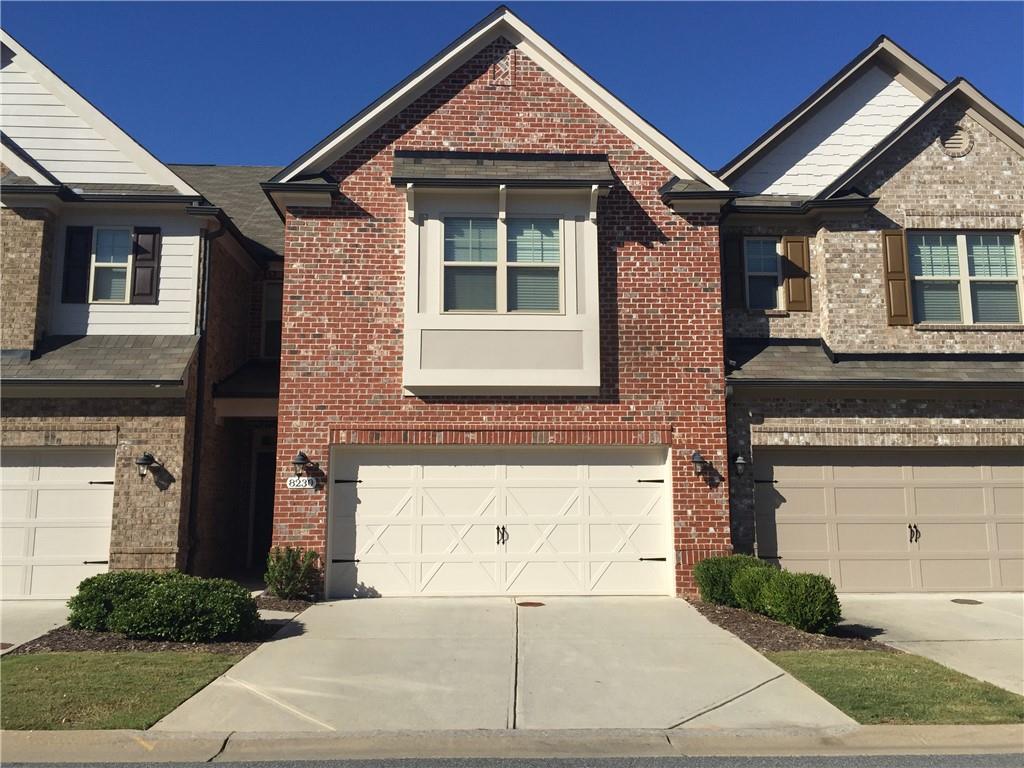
[[502, 23]]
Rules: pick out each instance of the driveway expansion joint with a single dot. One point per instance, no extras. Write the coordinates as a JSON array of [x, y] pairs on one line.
[[727, 701]]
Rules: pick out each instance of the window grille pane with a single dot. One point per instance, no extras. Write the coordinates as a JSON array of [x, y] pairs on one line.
[[763, 293], [995, 302], [991, 255], [762, 255], [534, 241], [113, 246], [470, 288], [108, 284], [533, 290], [470, 239], [937, 302], [933, 255]]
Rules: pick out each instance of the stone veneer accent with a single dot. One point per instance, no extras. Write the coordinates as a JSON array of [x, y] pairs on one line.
[[26, 256]]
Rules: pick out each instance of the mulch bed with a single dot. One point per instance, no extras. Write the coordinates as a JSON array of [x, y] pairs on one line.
[[66, 639], [767, 635], [271, 603]]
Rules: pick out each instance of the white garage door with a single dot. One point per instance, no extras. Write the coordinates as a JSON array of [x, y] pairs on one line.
[[895, 520], [55, 518], [529, 521]]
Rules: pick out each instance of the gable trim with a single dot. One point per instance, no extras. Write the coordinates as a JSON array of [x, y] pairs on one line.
[[500, 23], [883, 52], [23, 164], [89, 112], [981, 108]]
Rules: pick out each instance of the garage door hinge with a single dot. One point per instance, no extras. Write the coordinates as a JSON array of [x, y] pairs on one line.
[[768, 482], [344, 561], [649, 559], [348, 481], [101, 482], [659, 480], [95, 562]]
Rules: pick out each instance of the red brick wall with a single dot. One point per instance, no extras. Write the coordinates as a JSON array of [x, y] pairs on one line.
[[661, 327]]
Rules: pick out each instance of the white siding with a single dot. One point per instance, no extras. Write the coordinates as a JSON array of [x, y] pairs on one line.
[[174, 314], [65, 142], [839, 134]]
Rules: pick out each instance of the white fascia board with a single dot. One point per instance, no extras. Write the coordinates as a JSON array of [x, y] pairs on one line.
[[894, 59], [506, 24], [94, 117]]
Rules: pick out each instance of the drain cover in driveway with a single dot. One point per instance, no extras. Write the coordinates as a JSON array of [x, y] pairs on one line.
[[965, 601], [528, 604]]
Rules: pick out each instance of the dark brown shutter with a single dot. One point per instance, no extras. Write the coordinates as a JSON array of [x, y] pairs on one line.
[[145, 264], [732, 272], [77, 255], [796, 272], [897, 278]]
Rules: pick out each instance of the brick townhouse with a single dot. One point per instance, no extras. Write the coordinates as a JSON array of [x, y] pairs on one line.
[[527, 345]]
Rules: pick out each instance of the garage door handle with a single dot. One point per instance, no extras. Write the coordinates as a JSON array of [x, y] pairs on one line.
[[910, 528], [917, 534], [95, 562], [101, 482]]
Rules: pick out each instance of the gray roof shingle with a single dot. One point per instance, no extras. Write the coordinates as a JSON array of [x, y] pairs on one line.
[[123, 359], [236, 190]]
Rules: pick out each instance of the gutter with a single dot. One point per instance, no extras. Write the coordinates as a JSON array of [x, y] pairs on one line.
[[869, 384]]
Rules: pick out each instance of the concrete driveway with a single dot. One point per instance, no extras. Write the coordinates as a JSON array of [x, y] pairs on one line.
[[454, 664], [24, 620], [983, 640]]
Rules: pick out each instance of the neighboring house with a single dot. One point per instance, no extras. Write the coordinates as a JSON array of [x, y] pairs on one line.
[[874, 339], [126, 295]]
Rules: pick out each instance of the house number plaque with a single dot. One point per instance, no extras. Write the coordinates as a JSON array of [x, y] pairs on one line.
[[309, 483]]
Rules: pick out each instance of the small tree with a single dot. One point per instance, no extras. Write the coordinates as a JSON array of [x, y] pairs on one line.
[[293, 573]]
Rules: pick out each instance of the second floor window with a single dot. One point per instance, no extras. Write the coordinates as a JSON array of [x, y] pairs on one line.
[[761, 261], [111, 258], [521, 273], [966, 278]]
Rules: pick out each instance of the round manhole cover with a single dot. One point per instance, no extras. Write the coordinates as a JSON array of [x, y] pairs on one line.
[[965, 601], [529, 604]]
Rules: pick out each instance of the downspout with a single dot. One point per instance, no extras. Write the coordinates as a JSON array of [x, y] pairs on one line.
[[197, 431]]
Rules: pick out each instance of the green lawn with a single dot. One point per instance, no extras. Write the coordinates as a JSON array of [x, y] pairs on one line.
[[88, 690], [875, 687]]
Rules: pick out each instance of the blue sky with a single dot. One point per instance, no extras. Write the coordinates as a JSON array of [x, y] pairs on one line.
[[259, 83]]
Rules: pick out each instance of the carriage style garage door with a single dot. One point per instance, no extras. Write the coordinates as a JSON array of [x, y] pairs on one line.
[[895, 521], [482, 521], [55, 518]]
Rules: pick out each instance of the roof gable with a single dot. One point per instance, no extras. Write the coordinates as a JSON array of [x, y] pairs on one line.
[[856, 108], [501, 23], [65, 134]]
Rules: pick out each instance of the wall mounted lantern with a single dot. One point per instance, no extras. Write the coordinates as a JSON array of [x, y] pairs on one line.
[[739, 463], [145, 463], [699, 463], [301, 463]]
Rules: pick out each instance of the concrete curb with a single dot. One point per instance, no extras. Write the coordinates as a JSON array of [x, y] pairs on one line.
[[153, 746]]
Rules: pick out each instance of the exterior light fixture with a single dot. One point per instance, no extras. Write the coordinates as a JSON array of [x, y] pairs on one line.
[[698, 462], [145, 462], [739, 463], [301, 462]]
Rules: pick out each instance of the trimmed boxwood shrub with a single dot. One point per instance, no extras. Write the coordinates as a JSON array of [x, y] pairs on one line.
[[714, 576], [293, 573], [91, 606], [748, 587], [806, 601], [189, 609]]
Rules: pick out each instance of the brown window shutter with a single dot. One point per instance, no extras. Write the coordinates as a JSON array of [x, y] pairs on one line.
[[796, 273], [77, 255], [732, 272], [897, 278], [145, 264]]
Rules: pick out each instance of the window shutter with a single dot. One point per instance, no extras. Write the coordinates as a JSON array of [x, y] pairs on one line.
[[145, 264], [897, 278], [796, 254], [77, 255], [732, 269]]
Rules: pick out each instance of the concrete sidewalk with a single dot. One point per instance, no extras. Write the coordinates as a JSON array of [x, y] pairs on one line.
[[153, 747], [24, 620]]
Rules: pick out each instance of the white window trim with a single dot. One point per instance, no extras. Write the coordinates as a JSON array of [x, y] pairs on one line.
[[780, 300], [127, 266], [502, 265], [263, 314], [964, 279]]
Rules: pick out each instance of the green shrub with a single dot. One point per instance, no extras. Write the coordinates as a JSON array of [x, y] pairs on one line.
[[714, 576], [293, 573], [189, 609], [806, 601], [748, 585], [98, 596]]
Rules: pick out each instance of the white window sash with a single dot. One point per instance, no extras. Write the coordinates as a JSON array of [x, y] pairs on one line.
[[127, 266], [780, 297]]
